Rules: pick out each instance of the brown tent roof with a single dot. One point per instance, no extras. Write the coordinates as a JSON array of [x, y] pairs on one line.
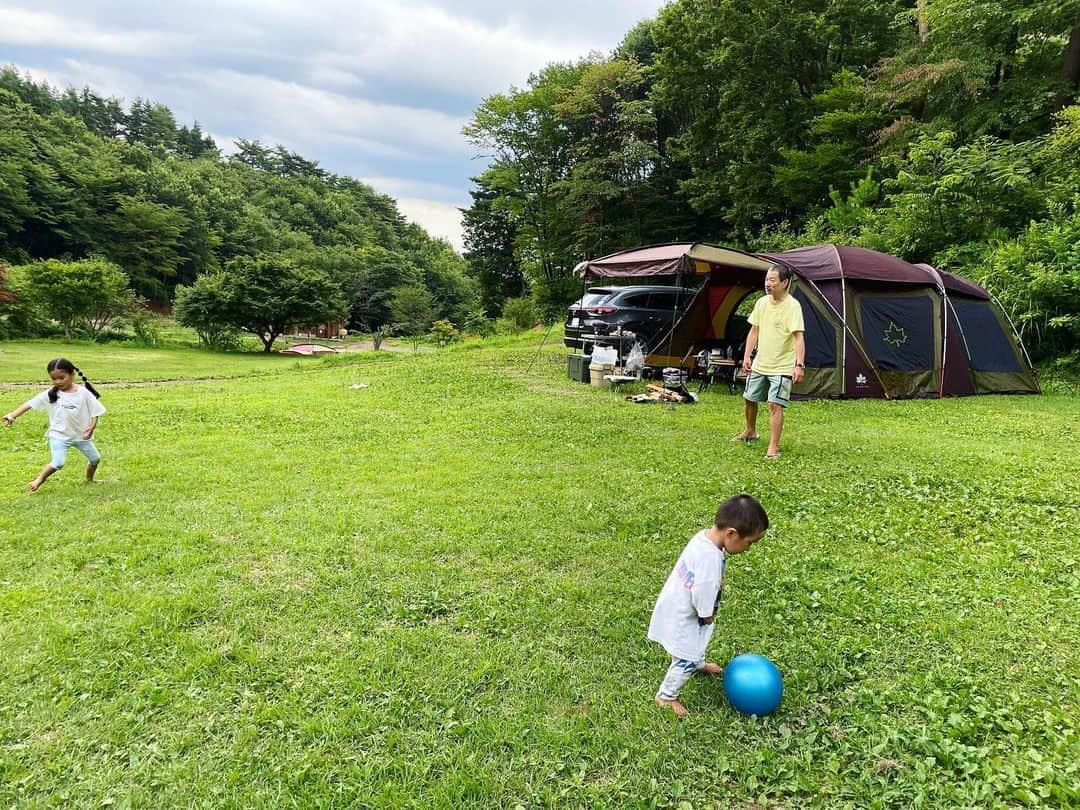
[[822, 262]]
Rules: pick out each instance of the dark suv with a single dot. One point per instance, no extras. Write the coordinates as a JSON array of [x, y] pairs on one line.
[[645, 311]]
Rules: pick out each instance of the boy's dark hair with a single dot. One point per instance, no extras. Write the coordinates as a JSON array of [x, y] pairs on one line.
[[743, 514], [66, 365]]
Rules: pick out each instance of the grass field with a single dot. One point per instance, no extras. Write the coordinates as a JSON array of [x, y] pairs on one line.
[[434, 590]]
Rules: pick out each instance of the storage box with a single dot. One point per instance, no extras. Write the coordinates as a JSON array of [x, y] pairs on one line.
[[597, 372], [577, 366]]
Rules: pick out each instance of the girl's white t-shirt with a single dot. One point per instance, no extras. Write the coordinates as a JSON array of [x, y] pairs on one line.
[[690, 592], [71, 414]]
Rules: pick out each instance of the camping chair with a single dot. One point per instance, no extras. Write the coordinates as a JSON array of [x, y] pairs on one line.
[[716, 366]]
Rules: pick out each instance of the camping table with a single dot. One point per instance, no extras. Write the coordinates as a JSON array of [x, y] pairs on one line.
[[619, 380], [717, 371]]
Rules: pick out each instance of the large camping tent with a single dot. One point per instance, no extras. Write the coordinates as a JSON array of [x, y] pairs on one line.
[[876, 326]]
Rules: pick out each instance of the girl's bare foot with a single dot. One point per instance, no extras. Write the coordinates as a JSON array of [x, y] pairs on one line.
[[674, 705], [33, 485], [711, 669]]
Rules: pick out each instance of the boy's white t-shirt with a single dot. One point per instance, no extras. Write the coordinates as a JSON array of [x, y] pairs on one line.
[[690, 592], [71, 414]]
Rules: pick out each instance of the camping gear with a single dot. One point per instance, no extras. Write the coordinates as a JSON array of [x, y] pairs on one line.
[[876, 325], [577, 367], [597, 372], [674, 377]]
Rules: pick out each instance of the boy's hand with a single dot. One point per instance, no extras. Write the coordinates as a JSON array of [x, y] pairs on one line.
[[704, 620], [88, 433], [9, 420]]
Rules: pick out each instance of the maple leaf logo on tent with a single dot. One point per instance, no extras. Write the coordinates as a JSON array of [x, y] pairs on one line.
[[896, 335]]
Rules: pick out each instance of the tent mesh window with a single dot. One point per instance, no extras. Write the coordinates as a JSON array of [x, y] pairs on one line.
[[820, 334], [988, 345]]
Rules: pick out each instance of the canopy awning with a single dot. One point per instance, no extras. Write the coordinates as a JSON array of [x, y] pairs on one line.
[[679, 258]]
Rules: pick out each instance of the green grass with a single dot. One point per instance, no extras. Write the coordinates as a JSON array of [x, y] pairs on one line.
[[24, 361], [434, 591]]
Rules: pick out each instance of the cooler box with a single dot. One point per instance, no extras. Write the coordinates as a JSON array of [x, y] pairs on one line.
[[577, 366]]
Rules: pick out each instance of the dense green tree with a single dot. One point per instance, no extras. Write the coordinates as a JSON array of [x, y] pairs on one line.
[[370, 290], [88, 293], [529, 145], [263, 296], [490, 236], [744, 77], [985, 67], [412, 310], [145, 238]]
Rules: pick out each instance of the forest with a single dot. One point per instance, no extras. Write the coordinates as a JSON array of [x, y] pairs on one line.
[[941, 131], [102, 207]]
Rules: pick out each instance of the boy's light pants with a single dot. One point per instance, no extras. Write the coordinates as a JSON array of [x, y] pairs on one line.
[[677, 675]]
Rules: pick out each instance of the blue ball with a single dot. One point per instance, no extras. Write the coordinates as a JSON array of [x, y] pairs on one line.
[[753, 684]]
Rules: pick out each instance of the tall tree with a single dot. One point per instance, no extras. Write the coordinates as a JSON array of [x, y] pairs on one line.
[[490, 235], [529, 145], [743, 76]]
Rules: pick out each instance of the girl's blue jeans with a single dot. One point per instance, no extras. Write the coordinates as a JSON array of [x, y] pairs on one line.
[[58, 450]]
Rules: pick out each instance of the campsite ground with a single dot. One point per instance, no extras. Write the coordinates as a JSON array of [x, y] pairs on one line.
[[433, 590]]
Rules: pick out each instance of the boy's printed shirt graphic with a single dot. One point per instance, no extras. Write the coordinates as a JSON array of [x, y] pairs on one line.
[[685, 575]]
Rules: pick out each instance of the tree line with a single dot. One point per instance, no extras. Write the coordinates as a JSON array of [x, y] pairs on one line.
[[90, 188], [942, 131]]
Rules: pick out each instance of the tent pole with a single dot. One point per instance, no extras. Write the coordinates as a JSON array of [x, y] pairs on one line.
[[675, 311], [843, 344], [1012, 326]]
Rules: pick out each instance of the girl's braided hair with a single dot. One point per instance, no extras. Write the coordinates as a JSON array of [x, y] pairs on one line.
[[66, 365]]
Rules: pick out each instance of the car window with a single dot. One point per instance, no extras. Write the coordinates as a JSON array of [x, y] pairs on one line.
[[592, 299], [638, 300], [667, 300]]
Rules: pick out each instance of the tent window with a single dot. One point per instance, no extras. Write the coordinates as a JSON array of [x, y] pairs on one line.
[[899, 332], [820, 335], [990, 348]]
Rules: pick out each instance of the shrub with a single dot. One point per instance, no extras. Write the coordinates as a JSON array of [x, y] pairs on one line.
[[520, 313], [443, 332]]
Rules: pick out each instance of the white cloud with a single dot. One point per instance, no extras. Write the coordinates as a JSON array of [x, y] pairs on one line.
[[102, 79], [437, 218], [305, 113], [409, 187], [36, 28], [433, 47]]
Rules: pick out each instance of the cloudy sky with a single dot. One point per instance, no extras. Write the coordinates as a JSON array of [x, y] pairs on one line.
[[374, 90]]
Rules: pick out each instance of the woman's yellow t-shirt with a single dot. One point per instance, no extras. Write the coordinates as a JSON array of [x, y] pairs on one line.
[[777, 325]]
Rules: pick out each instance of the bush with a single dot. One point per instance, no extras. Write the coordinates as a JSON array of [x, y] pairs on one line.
[[552, 296], [145, 325], [477, 323], [443, 332], [519, 313]]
